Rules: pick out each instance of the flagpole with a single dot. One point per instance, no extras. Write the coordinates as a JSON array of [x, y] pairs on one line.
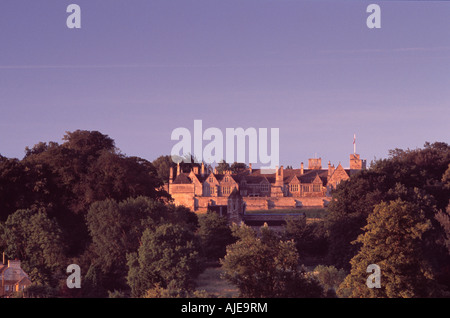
[[354, 144]]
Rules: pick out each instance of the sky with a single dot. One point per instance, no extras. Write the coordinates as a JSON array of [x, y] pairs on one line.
[[137, 70]]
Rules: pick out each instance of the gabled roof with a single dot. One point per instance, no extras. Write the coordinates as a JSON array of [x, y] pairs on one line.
[[340, 169], [255, 179], [182, 179], [292, 180], [317, 179]]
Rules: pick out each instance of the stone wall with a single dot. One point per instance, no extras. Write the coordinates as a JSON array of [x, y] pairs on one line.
[[263, 203], [183, 194]]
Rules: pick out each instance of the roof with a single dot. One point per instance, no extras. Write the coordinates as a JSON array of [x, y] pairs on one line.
[[256, 176], [308, 176], [182, 179]]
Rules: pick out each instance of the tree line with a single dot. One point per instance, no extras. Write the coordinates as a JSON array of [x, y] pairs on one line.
[[84, 202]]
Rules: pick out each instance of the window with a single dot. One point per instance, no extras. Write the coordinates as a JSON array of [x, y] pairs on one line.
[[226, 179], [226, 190], [293, 187], [264, 187], [211, 180], [317, 188]]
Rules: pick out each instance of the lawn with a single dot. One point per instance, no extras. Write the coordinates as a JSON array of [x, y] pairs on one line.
[[311, 213], [211, 282]]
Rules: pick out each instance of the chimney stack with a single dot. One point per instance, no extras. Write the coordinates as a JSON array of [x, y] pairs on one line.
[[301, 168], [330, 169], [203, 168], [279, 176], [171, 175]]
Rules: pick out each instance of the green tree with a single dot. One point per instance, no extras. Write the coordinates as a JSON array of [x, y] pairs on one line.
[[214, 234], [392, 240], [37, 242], [411, 175], [168, 258], [265, 266], [116, 229], [310, 238], [329, 277], [162, 165], [85, 168], [444, 219], [237, 167], [223, 166]]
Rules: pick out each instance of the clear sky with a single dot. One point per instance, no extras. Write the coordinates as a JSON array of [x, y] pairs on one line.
[[138, 69]]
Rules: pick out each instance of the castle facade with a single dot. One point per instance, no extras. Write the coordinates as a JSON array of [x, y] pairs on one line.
[[200, 189]]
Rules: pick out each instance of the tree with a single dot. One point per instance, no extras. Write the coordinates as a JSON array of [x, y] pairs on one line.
[[237, 167], [310, 238], [24, 186], [37, 242], [119, 177], [116, 229], [392, 240], [222, 167], [444, 219], [162, 165], [167, 258], [85, 168], [214, 234], [266, 267], [329, 277], [411, 175]]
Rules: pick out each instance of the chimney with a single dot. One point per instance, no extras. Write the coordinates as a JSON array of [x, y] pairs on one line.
[[195, 169], [330, 169], [215, 171], [279, 176], [178, 169], [4, 262], [250, 168], [203, 168], [171, 175], [301, 169]]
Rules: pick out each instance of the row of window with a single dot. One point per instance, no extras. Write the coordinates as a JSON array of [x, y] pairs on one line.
[[11, 288], [212, 190], [305, 187], [264, 187], [211, 179]]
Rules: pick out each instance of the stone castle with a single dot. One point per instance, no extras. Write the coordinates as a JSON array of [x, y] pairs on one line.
[[202, 189]]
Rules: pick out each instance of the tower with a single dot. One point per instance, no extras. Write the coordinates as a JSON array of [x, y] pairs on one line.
[[356, 163], [235, 207]]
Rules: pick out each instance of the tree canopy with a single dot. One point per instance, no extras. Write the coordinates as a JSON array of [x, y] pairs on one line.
[[392, 240]]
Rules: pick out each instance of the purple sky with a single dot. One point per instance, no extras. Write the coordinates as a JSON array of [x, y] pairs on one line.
[[138, 69]]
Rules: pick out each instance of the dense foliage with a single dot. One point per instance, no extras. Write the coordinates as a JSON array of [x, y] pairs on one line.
[[84, 202], [265, 266]]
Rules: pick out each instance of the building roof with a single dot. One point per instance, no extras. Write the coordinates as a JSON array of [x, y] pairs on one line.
[[256, 176], [182, 179]]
